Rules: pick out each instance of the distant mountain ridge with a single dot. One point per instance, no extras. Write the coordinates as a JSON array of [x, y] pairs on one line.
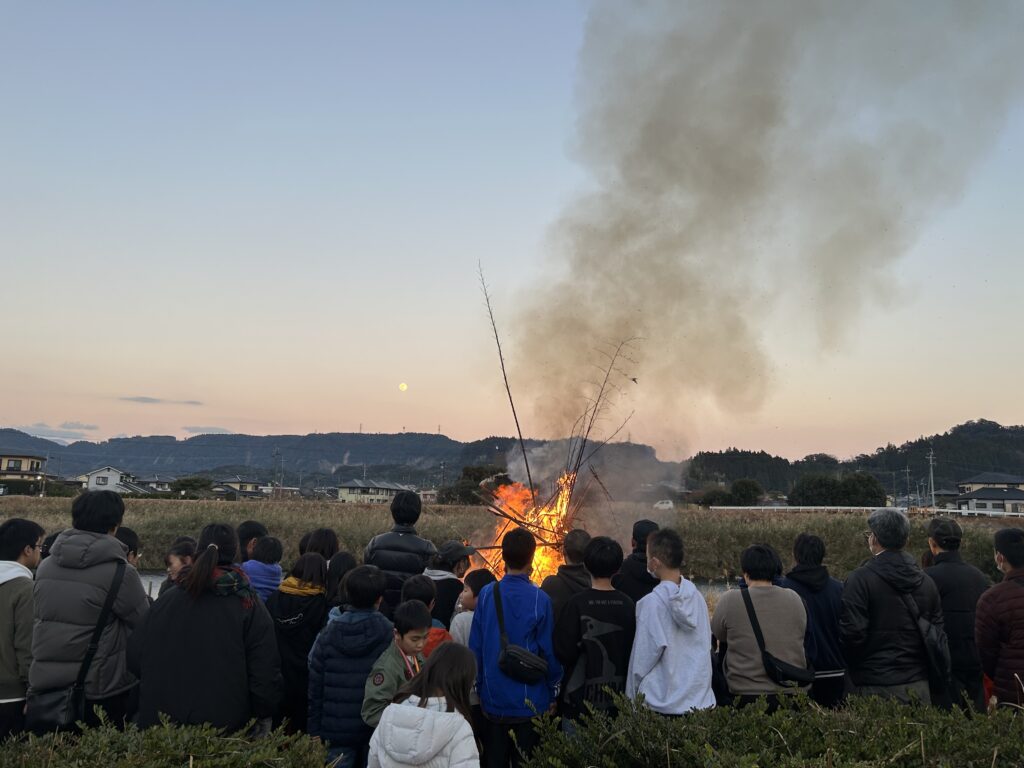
[[966, 449], [331, 456]]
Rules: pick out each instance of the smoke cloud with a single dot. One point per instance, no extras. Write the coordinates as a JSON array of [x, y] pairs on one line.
[[742, 154]]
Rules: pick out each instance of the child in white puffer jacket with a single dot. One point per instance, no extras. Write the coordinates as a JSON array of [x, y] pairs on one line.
[[428, 725]]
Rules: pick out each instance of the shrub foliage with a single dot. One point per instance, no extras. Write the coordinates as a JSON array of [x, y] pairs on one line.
[[868, 732], [167, 746]]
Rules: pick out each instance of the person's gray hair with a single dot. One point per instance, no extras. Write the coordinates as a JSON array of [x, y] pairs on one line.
[[890, 526]]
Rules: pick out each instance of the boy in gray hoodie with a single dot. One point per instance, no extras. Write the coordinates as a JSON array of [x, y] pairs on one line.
[[20, 541], [671, 659]]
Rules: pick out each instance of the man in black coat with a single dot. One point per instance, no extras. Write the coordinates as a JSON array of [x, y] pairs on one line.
[[960, 585], [884, 651], [823, 596], [572, 577], [400, 553], [633, 579]]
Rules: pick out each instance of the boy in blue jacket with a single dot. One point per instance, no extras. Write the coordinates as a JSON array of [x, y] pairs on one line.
[[339, 663], [509, 705]]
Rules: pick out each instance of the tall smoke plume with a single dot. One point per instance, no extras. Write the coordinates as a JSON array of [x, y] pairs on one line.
[[746, 153]]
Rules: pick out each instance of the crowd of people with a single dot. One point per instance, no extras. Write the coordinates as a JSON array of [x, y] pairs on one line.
[[412, 658]]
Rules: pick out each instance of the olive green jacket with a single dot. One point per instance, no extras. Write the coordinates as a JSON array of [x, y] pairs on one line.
[[389, 673]]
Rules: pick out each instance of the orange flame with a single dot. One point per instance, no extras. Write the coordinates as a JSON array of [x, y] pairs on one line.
[[549, 523]]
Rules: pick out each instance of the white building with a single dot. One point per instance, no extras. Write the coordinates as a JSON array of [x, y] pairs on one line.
[[369, 491], [111, 479]]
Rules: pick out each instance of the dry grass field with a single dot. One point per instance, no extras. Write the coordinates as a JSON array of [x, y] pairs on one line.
[[713, 540]]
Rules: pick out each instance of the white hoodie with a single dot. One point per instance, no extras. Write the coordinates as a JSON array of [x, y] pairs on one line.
[[671, 659], [12, 569], [426, 737]]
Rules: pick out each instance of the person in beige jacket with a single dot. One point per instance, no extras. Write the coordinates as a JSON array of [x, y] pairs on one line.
[[783, 619]]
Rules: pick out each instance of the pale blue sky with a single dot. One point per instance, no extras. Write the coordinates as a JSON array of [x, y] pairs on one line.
[[277, 210]]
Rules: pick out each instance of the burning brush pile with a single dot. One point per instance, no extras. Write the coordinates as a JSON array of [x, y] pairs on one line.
[[549, 518], [515, 506]]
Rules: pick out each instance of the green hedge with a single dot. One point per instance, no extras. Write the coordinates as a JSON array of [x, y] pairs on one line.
[[868, 732], [167, 746]]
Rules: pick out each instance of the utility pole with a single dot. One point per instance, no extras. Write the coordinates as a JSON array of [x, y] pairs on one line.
[[931, 473], [278, 469], [442, 475], [894, 489], [907, 473]]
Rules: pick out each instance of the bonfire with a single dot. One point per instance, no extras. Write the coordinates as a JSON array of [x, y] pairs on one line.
[[517, 505]]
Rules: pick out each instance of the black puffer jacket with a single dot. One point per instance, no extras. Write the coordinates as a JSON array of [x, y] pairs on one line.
[[633, 578], [881, 641], [400, 553], [211, 659], [960, 586]]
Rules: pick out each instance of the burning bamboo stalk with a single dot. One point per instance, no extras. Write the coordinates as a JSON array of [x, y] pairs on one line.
[[504, 375]]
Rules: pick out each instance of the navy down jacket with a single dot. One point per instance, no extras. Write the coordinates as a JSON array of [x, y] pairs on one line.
[[342, 657]]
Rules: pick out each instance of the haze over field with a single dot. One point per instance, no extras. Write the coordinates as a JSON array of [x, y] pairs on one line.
[[216, 219]]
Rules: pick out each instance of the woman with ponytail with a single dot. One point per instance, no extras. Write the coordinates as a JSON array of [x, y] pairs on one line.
[[206, 652]]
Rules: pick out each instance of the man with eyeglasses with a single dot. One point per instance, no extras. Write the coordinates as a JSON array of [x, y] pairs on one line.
[[20, 543], [881, 640]]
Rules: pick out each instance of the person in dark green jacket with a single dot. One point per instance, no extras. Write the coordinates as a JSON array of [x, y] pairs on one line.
[[20, 542], [400, 662]]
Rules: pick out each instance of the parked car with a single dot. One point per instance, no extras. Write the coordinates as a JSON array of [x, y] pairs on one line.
[[664, 504]]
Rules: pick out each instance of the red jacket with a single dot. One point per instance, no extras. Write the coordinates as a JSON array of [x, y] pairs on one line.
[[999, 634]]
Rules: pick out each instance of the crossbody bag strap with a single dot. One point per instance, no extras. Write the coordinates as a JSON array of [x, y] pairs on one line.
[[101, 623], [753, 618], [501, 616]]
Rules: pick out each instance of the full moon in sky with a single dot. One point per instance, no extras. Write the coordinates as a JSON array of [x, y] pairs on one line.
[[402, 387]]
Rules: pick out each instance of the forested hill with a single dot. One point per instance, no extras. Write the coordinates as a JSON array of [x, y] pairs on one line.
[[320, 457], [963, 451]]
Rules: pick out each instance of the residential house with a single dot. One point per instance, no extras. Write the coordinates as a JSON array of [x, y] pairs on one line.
[[275, 491], [992, 501], [369, 491], [21, 466], [156, 483], [428, 495], [241, 483], [111, 479], [990, 480]]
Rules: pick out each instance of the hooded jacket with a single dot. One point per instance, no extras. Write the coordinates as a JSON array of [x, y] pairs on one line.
[[671, 659], [633, 578], [400, 553], [264, 577], [960, 587], [71, 587], [299, 614], [449, 587], [529, 624], [881, 642], [423, 736], [16, 618], [339, 664], [1000, 636], [210, 659], [823, 597], [570, 580]]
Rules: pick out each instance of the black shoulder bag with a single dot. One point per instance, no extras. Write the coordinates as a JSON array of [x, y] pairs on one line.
[[515, 661], [936, 646], [780, 672], [59, 709]]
